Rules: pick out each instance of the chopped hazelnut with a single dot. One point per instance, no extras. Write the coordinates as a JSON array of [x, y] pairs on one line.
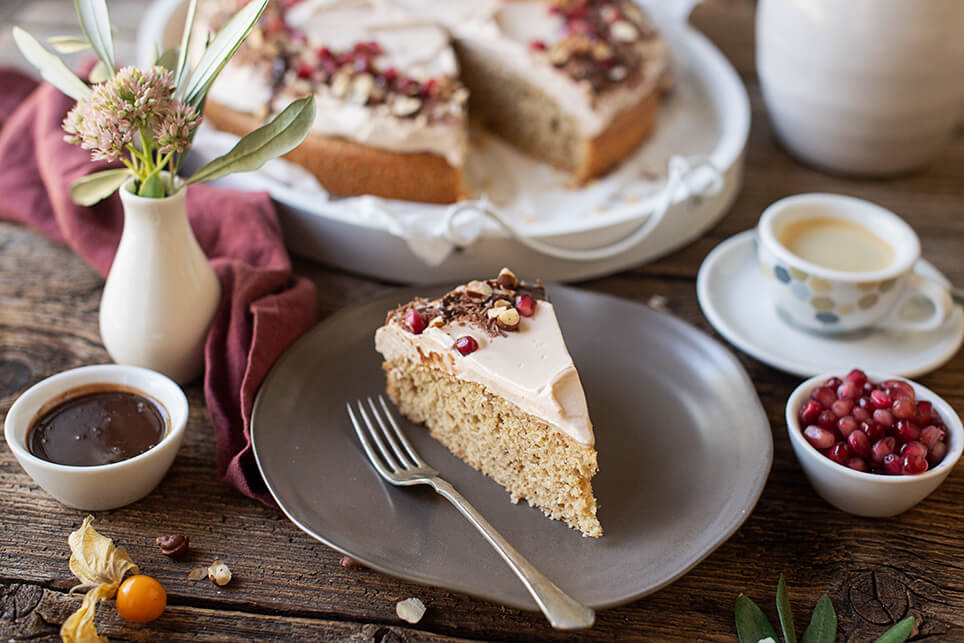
[[623, 31], [507, 279], [410, 610], [340, 84], [219, 573], [437, 322], [617, 73], [478, 289], [405, 106], [350, 563], [175, 545], [361, 89], [508, 319]]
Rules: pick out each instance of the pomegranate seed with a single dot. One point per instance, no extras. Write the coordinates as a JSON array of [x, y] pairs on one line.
[[610, 14], [537, 45], [848, 391], [526, 305], [374, 48], [873, 430], [826, 419], [466, 344], [429, 87], [274, 25], [936, 454], [842, 408], [880, 399], [892, 464], [905, 409], [824, 395], [362, 63], [898, 394], [913, 448], [415, 321], [857, 376], [330, 65], [931, 436], [846, 426], [925, 412], [868, 387], [859, 443], [304, 70], [818, 438], [865, 403], [840, 453], [884, 418], [861, 414], [833, 382], [913, 465], [808, 413], [906, 432], [390, 74], [882, 448], [324, 53], [902, 385], [858, 464]]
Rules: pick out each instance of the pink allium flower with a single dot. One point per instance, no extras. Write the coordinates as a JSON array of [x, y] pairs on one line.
[[107, 120], [176, 128]]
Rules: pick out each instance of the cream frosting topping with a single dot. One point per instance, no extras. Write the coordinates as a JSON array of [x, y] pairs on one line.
[[530, 367]]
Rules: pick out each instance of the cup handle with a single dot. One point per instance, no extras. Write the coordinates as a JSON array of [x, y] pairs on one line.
[[914, 287]]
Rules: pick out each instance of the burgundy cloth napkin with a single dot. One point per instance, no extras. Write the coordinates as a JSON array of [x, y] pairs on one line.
[[264, 307]]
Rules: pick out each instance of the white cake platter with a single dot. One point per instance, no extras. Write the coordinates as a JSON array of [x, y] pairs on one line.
[[523, 213]]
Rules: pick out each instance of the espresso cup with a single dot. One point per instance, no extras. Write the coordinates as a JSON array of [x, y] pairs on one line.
[[836, 264]]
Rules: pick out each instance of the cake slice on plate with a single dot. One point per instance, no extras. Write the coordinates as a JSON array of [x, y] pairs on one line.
[[486, 369]]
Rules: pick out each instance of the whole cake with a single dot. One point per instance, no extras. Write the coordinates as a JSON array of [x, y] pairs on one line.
[[575, 83], [486, 369]]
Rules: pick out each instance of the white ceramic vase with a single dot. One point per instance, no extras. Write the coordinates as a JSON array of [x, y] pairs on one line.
[[161, 293], [868, 87]]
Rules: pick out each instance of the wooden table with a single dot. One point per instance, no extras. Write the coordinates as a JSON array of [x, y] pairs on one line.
[[288, 586]]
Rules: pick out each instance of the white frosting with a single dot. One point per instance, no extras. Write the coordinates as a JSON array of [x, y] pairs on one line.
[[530, 367]]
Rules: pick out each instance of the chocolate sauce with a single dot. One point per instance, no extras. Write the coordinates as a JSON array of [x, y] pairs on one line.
[[96, 425]]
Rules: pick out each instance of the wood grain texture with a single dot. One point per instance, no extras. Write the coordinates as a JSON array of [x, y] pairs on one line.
[[288, 586]]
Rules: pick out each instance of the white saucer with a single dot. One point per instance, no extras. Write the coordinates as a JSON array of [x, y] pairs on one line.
[[730, 290]]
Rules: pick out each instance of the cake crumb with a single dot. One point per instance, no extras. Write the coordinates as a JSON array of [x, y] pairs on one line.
[[410, 610]]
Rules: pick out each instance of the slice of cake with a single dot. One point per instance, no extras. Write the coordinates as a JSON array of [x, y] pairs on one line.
[[390, 110], [486, 369], [575, 83]]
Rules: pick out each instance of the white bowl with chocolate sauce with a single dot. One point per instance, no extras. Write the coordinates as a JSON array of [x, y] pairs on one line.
[[98, 437]]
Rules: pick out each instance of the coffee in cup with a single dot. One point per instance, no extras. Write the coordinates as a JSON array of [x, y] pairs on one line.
[[836, 263]]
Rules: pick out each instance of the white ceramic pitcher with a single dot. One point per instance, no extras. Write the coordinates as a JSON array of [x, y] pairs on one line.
[[870, 87], [161, 293]]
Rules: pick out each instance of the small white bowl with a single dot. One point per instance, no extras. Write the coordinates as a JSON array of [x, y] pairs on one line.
[[871, 494], [106, 486]]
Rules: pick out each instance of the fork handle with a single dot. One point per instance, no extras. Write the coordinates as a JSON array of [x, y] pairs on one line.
[[562, 611]]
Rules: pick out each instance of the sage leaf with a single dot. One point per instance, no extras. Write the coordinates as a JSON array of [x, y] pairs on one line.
[[823, 623], [168, 59], [185, 42], [221, 49], [899, 633], [68, 44], [153, 187], [95, 187], [52, 68], [95, 23], [99, 73], [284, 133], [786, 614], [752, 625]]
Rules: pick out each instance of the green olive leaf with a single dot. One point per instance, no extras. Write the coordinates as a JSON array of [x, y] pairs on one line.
[[99, 73], [786, 614], [52, 68], [68, 44], [281, 135], [899, 633], [185, 42], [221, 49], [95, 23], [95, 187], [752, 625], [823, 623]]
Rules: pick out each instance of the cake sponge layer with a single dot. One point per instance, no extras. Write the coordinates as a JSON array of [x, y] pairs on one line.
[[529, 458]]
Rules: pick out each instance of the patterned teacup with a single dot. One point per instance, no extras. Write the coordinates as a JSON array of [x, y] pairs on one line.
[[835, 264]]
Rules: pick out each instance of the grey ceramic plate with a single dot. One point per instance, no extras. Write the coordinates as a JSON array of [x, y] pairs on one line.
[[684, 451]]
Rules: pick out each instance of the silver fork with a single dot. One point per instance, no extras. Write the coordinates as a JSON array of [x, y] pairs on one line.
[[400, 465]]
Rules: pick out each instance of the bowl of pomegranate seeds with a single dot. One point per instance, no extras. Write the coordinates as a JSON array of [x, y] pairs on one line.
[[873, 445]]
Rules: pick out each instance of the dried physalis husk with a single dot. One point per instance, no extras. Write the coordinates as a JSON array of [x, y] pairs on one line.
[[100, 567]]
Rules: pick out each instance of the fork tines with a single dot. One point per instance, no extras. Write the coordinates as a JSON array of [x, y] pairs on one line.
[[397, 452]]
